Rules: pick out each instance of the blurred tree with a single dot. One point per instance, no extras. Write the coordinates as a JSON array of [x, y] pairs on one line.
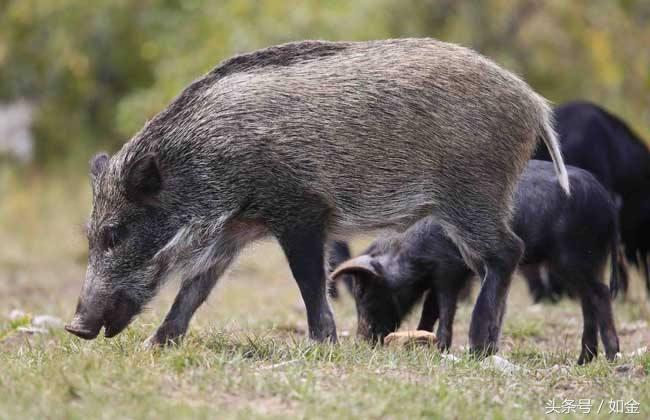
[[98, 70]]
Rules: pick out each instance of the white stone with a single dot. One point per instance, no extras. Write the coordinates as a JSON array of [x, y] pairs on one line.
[[449, 359], [500, 364], [47, 321], [32, 330], [16, 314]]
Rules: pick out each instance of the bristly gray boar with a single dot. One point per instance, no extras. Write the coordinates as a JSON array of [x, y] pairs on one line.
[[307, 142]]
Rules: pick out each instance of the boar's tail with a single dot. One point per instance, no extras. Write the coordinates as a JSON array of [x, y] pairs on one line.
[[549, 136]]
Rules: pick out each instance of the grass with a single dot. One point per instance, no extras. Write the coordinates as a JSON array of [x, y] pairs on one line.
[[247, 355]]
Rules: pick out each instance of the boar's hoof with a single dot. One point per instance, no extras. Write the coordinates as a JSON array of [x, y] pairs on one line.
[[410, 339]]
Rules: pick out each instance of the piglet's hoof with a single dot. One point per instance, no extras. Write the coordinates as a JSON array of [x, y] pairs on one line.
[[410, 339]]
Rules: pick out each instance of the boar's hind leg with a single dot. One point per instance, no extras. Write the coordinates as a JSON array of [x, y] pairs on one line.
[[192, 294], [493, 252], [304, 248]]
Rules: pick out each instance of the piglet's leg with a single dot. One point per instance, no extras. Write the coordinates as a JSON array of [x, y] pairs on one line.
[[606, 320], [590, 326], [338, 252], [429, 311], [192, 294], [447, 302]]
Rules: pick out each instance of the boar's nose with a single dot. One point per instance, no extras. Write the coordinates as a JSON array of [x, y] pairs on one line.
[[83, 329]]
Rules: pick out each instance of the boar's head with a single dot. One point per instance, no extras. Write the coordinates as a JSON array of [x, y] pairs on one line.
[[385, 283], [127, 227]]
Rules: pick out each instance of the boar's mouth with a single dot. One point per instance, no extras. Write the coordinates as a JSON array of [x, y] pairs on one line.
[[111, 330], [120, 315]]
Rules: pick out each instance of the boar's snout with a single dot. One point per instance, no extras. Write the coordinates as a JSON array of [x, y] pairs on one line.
[[114, 314], [84, 327]]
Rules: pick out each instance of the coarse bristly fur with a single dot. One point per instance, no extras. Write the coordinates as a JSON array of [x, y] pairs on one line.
[[572, 237], [308, 141]]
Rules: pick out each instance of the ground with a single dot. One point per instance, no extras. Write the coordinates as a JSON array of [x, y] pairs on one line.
[[247, 354]]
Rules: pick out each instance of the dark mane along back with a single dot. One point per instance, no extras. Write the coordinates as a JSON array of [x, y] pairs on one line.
[[279, 55]]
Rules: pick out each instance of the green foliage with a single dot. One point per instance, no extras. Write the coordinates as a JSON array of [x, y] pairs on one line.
[[99, 70]]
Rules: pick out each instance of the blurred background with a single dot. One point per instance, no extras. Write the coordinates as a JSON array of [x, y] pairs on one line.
[[80, 76], [77, 77]]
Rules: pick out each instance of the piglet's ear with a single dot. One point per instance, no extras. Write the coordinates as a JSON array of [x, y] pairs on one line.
[[364, 264], [98, 165], [143, 179]]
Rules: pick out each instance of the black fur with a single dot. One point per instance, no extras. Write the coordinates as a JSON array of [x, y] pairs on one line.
[[598, 141], [571, 237]]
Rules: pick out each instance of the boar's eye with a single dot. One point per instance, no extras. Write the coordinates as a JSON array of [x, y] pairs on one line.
[[111, 236]]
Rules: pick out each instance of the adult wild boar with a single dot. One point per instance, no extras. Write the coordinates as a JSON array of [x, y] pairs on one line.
[[306, 142], [600, 142]]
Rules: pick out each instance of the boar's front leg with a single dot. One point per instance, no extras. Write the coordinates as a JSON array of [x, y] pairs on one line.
[[304, 248], [192, 294]]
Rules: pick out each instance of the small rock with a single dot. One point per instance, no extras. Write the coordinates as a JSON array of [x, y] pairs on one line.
[[625, 368], [449, 359], [410, 338], [281, 364], [500, 364], [16, 314], [47, 321], [561, 370], [32, 330]]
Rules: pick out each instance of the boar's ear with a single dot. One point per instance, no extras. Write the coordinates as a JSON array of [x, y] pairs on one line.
[[143, 179], [98, 165], [361, 264]]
